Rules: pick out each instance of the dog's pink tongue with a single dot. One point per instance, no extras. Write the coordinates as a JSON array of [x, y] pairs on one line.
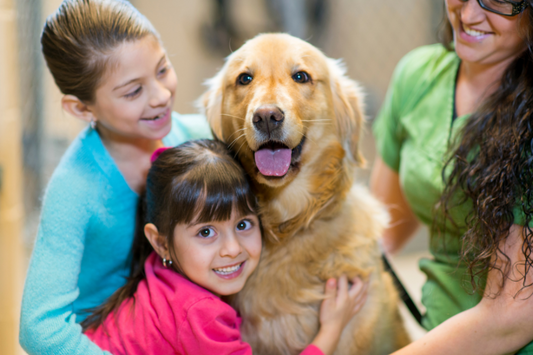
[[273, 162]]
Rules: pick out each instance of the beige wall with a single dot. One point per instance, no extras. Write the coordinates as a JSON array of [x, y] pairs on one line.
[[11, 208]]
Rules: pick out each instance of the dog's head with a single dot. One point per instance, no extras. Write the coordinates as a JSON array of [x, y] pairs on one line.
[[278, 102]]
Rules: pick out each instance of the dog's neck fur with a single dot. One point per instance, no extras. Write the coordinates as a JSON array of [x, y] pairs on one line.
[[319, 197]]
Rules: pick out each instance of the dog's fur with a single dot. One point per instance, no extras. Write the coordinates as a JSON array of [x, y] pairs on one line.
[[316, 223]]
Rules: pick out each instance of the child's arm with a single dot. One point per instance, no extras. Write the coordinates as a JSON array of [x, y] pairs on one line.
[[47, 323], [337, 310]]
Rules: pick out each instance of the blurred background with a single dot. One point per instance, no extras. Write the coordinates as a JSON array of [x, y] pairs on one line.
[[370, 36]]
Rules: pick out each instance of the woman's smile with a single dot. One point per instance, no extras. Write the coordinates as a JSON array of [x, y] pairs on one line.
[[482, 37], [470, 34]]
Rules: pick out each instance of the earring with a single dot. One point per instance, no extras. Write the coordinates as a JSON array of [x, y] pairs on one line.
[[166, 263], [93, 123]]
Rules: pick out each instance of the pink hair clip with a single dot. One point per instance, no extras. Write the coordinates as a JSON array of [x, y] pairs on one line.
[[157, 153]]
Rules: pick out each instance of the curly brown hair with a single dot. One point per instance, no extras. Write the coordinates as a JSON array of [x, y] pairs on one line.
[[490, 165]]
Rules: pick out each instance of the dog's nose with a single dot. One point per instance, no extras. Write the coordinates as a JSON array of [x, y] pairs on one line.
[[268, 118]]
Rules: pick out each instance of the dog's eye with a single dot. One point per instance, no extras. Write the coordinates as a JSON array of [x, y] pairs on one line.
[[244, 79], [301, 77]]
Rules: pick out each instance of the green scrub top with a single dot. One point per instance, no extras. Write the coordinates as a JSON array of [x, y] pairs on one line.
[[412, 132]]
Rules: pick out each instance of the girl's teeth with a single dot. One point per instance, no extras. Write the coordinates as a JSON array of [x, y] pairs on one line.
[[154, 118], [228, 270], [472, 32]]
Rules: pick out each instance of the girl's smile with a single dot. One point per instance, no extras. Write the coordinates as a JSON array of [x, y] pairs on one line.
[[158, 121], [231, 271]]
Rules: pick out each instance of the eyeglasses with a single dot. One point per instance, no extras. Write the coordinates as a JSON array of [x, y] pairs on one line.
[[503, 7]]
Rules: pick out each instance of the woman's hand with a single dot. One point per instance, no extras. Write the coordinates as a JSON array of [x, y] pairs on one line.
[[341, 304]]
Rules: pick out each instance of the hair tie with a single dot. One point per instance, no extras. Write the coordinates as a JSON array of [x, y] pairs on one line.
[[157, 153]]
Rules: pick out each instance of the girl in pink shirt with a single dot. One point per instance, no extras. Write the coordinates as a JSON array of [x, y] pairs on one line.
[[203, 240]]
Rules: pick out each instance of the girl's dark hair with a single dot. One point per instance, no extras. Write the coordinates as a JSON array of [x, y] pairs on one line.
[[490, 166], [79, 38], [195, 182]]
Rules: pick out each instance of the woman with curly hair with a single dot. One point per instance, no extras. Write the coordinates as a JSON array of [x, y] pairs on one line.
[[455, 140]]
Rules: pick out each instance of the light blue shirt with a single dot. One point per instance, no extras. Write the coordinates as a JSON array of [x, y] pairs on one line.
[[82, 250]]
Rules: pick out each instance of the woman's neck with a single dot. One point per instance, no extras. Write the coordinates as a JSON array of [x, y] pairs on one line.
[[132, 156], [475, 82]]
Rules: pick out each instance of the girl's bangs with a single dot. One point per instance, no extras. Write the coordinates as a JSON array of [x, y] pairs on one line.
[[206, 195]]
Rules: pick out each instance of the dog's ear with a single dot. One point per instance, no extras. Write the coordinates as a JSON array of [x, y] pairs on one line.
[[210, 103], [348, 106]]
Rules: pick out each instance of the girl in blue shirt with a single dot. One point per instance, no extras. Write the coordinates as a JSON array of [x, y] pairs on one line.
[[108, 61]]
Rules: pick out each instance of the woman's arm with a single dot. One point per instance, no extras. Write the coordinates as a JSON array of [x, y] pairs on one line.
[[499, 324], [385, 185], [48, 323]]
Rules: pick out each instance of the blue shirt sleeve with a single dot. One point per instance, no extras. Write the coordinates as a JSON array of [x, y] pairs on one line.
[[48, 323]]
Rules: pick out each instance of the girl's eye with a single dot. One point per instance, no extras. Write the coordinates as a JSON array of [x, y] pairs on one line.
[[134, 93], [244, 225], [244, 79], [301, 77], [206, 233], [164, 70]]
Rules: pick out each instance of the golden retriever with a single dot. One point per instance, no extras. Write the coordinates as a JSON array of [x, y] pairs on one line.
[[294, 119]]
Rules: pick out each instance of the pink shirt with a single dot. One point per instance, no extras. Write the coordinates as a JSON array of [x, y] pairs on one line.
[[171, 315]]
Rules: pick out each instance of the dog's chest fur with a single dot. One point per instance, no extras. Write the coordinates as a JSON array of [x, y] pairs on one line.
[[280, 315]]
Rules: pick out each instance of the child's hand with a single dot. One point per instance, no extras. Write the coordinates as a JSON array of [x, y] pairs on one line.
[[340, 305]]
